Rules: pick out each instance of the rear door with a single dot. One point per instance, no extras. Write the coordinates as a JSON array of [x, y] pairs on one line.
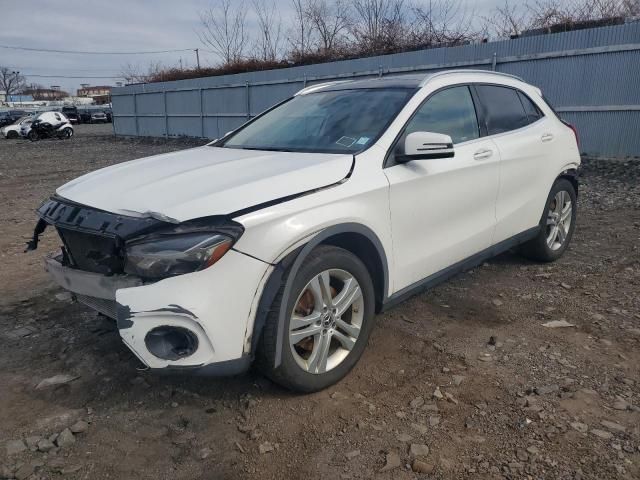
[[525, 141], [442, 210]]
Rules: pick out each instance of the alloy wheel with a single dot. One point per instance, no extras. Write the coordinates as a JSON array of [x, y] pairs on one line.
[[326, 321], [559, 219]]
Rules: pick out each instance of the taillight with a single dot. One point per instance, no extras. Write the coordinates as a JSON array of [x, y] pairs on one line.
[[574, 130]]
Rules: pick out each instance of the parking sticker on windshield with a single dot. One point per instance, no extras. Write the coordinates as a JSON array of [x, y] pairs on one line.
[[362, 140], [346, 141]]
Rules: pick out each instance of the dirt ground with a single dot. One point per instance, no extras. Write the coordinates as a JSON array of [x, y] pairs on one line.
[[519, 400]]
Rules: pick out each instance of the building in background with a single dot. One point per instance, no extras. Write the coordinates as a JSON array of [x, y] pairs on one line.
[[41, 93], [100, 94]]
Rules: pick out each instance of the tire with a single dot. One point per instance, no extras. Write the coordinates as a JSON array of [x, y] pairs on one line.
[[67, 133], [33, 135], [12, 135], [301, 368], [543, 247]]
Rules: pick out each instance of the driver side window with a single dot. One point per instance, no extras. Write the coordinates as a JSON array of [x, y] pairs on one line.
[[450, 111]]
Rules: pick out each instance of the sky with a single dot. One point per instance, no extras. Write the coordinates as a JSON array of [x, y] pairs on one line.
[[114, 26]]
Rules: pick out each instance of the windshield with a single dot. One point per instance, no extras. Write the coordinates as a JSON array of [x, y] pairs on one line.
[[342, 121]]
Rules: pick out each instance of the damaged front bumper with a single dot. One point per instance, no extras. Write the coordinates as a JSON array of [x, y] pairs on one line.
[[195, 322], [194, 302]]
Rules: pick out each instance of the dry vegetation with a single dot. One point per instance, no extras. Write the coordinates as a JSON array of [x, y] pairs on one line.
[[315, 31]]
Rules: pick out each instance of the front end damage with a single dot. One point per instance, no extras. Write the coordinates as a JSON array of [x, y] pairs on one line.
[[171, 309]]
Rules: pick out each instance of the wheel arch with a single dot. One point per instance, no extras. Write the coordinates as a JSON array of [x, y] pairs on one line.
[[571, 174], [353, 237]]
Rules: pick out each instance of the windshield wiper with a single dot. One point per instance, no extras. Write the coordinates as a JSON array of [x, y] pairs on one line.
[[266, 149]]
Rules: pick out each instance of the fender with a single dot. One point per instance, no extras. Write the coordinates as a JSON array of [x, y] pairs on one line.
[[572, 173], [286, 270]]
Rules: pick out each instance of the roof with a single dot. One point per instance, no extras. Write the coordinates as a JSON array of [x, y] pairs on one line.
[[410, 81]]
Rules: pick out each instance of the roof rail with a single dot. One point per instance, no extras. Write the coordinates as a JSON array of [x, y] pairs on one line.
[[318, 86], [449, 72]]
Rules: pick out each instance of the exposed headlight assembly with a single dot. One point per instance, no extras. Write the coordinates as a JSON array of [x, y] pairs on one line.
[[174, 253]]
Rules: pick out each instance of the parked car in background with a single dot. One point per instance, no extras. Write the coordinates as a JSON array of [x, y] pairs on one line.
[[84, 115], [13, 130], [72, 114], [98, 117], [11, 116], [280, 241]]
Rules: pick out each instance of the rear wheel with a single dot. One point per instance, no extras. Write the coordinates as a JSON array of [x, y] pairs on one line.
[[32, 135], [556, 226], [67, 133], [328, 319], [12, 134]]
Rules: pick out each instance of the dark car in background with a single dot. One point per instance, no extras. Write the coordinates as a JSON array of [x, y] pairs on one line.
[[11, 116], [72, 114]]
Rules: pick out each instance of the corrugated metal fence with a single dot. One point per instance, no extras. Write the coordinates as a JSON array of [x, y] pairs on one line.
[[591, 76]]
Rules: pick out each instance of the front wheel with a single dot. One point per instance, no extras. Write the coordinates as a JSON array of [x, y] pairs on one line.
[[556, 226], [33, 135], [328, 318], [12, 134], [67, 133]]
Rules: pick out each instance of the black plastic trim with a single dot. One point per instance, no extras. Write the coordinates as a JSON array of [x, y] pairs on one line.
[[466, 264], [298, 256], [424, 156], [227, 368]]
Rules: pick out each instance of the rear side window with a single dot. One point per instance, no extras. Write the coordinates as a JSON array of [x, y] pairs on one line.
[[530, 108], [503, 109], [450, 111]]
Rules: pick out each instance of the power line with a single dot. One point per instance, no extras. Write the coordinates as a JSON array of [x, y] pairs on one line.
[[82, 52], [71, 76]]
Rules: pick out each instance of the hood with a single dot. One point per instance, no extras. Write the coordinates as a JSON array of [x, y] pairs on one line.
[[204, 181]]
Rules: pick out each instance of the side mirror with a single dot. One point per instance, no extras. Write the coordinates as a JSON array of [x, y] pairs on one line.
[[426, 146]]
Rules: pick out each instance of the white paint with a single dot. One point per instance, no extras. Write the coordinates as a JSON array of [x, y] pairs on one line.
[[427, 214]]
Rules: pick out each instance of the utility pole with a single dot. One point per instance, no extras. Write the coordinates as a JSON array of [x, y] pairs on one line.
[[197, 57]]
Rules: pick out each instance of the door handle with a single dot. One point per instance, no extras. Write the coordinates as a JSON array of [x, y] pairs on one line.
[[483, 154], [547, 137]]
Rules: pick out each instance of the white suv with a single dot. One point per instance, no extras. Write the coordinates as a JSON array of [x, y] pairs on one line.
[[279, 242]]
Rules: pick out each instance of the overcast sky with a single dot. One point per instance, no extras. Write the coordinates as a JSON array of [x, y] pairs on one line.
[[113, 25]]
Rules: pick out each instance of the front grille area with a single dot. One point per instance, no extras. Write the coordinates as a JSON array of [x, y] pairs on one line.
[[93, 238], [91, 252], [106, 307]]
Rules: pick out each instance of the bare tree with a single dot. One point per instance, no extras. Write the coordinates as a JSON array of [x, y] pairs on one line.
[[548, 13], [379, 25], [135, 73], [507, 20], [10, 81], [270, 30], [631, 8], [223, 29], [444, 22], [330, 20], [300, 33]]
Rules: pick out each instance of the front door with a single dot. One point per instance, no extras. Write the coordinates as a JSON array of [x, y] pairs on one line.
[[443, 210]]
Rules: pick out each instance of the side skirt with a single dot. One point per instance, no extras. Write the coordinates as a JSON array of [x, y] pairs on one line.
[[464, 265]]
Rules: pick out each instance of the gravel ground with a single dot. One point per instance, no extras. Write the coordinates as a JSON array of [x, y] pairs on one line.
[[461, 382]]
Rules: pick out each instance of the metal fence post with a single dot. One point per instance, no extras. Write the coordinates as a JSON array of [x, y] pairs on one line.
[[380, 70], [201, 114], [166, 116], [304, 81], [248, 101], [494, 61], [135, 114]]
